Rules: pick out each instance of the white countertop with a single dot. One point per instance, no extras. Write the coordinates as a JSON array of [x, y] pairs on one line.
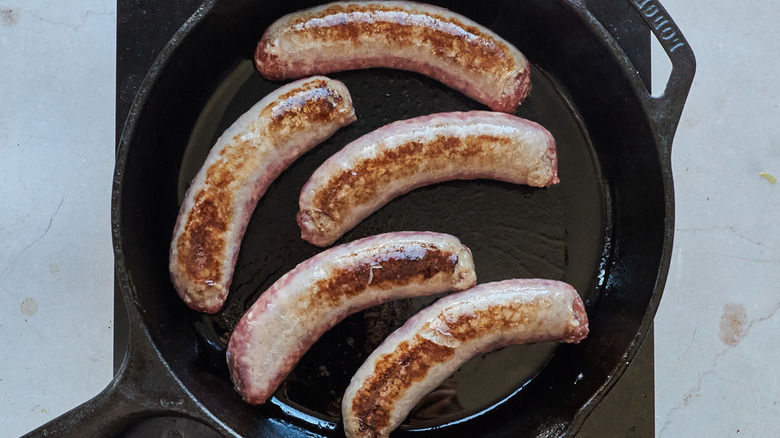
[[716, 332]]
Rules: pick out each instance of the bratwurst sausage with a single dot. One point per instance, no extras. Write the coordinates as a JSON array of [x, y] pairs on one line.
[[434, 343], [397, 34], [317, 294], [402, 156], [245, 160]]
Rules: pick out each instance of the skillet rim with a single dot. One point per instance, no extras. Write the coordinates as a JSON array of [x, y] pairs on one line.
[[125, 280]]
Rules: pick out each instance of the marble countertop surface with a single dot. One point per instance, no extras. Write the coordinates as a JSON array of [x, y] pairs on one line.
[[716, 331]]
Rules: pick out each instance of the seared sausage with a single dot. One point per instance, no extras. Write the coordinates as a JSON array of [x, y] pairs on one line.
[[313, 297], [402, 156], [397, 34], [433, 344], [245, 160]]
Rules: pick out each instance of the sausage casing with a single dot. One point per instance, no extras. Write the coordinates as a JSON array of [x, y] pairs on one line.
[[313, 297], [402, 156], [244, 161], [435, 342], [397, 34]]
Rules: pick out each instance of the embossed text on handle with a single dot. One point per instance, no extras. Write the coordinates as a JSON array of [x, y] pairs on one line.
[[666, 30]]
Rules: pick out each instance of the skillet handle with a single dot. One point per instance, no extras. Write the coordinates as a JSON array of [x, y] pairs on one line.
[[666, 109], [143, 388]]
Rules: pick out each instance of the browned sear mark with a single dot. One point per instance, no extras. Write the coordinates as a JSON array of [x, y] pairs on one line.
[[494, 319], [446, 37], [391, 267], [364, 181], [311, 103], [202, 244], [394, 373]]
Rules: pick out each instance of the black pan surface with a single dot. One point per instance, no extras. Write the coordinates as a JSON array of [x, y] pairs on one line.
[[513, 231], [606, 228]]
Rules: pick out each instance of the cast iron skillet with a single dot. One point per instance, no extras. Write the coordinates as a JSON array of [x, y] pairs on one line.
[[606, 229]]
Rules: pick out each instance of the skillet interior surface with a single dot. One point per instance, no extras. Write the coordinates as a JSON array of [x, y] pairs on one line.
[[602, 229]]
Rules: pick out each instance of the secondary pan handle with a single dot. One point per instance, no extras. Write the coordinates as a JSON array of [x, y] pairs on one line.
[[664, 110], [667, 108], [143, 388]]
